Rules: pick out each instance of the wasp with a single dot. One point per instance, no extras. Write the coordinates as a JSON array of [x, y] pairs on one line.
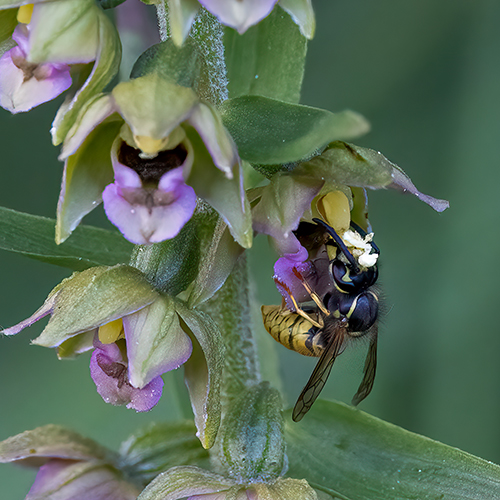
[[348, 310]]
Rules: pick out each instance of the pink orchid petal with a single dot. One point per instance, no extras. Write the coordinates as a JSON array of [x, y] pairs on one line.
[[148, 215], [109, 372], [21, 37], [69, 480], [22, 90]]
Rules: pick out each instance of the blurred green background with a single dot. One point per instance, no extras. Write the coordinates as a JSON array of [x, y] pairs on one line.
[[426, 74]]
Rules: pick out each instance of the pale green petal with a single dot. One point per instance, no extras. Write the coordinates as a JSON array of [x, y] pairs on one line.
[[302, 14], [207, 121], [92, 113], [86, 174], [156, 343], [64, 32], [203, 372], [181, 16], [153, 106], [285, 489], [105, 67], [182, 482]]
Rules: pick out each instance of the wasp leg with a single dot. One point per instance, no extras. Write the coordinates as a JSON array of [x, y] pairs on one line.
[[311, 292], [298, 309]]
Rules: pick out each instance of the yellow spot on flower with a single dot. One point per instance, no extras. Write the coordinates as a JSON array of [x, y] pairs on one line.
[[24, 13], [334, 210], [111, 332], [149, 146]]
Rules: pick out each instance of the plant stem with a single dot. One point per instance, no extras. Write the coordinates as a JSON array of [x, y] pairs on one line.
[[230, 309]]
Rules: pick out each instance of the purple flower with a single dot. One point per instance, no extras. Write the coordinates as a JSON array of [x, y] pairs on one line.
[[109, 371], [238, 14], [23, 84], [132, 327], [152, 204], [71, 467], [149, 151]]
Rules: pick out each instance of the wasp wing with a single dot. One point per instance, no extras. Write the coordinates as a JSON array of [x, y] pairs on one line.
[[370, 368], [319, 376]]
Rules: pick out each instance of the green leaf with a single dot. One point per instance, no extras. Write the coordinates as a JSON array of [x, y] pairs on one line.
[[33, 236], [8, 21], [203, 372], [267, 60], [177, 261], [180, 65], [354, 456], [269, 132], [51, 441], [161, 446]]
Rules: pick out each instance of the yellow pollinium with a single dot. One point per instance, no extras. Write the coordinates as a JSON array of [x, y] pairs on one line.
[[111, 332], [24, 13], [335, 210]]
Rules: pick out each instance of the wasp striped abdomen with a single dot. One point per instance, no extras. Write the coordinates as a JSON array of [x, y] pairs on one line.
[[293, 331]]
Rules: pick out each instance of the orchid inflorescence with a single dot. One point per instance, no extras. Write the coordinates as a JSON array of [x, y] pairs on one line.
[[192, 156]]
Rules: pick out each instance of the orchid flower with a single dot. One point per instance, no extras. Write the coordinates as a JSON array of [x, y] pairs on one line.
[[237, 14], [164, 148]]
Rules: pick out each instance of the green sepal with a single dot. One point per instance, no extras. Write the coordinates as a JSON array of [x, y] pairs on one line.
[[157, 342], [51, 441], [184, 481], [181, 15], [283, 202], [350, 454], [33, 236], [270, 132], [252, 444], [86, 174], [302, 14], [8, 22], [92, 298], [143, 101], [227, 196], [105, 67], [64, 32], [203, 371], [347, 164], [267, 60], [180, 65], [159, 447]]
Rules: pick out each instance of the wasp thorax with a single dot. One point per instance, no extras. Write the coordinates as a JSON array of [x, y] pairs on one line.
[[150, 170], [360, 310]]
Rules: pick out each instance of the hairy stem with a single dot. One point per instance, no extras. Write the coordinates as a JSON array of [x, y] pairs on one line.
[[230, 309]]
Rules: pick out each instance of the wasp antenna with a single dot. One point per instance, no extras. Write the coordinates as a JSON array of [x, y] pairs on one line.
[[339, 243]]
